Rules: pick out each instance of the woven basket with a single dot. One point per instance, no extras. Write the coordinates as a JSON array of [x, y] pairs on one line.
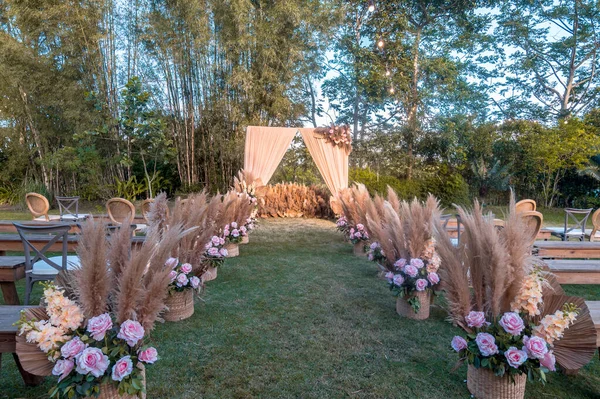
[[359, 249], [404, 309], [210, 274], [245, 240], [233, 250], [180, 305], [111, 391], [484, 384]]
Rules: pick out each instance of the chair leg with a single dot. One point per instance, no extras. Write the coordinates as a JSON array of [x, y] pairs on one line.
[[28, 288]]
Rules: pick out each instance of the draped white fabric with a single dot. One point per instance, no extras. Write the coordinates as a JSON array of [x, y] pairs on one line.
[[265, 148]]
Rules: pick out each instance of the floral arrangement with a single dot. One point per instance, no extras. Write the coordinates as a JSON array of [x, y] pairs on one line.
[[342, 225], [358, 234], [182, 277], [376, 254], [337, 135], [234, 234], [87, 356], [245, 184], [250, 224], [214, 251], [512, 344], [415, 275]]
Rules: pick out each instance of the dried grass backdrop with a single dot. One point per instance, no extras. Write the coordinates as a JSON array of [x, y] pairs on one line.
[[294, 200]]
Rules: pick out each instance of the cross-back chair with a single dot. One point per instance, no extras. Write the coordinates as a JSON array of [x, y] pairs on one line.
[[578, 218], [38, 265], [68, 208]]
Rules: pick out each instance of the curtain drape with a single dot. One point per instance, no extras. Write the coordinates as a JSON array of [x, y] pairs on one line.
[[331, 160], [265, 148]]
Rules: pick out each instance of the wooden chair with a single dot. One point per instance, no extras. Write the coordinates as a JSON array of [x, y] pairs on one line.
[[69, 208], [533, 221], [146, 208], [596, 226], [120, 210], [38, 205], [525, 205], [39, 267], [579, 218]]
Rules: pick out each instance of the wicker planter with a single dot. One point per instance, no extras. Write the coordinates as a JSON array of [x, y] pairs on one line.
[[245, 240], [404, 309], [210, 274], [359, 249], [111, 391], [484, 384], [233, 250], [180, 304]]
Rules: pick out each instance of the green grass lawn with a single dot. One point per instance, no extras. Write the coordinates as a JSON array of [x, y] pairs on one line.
[[298, 316]]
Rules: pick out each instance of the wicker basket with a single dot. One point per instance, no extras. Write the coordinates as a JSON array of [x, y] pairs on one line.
[[233, 250], [359, 249], [245, 240], [210, 274], [180, 305], [111, 391], [484, 384], [404, 309]]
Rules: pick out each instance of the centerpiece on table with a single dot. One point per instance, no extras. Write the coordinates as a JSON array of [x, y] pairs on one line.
[[515, 326], [91, 333], [183, 286], [403, 232]]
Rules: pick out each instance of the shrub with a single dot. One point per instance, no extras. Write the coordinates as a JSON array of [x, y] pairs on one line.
[[447, 186], [375, 183]]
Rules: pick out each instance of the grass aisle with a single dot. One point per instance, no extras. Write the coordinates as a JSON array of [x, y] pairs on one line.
[[298, 316]]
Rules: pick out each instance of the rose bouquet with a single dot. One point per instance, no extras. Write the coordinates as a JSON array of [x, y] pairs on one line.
[[413, 280], [376, 254], [180, 301], [215, 252], [342, 225], [181, 276], [512, 344], [234, 234], [88, 355]]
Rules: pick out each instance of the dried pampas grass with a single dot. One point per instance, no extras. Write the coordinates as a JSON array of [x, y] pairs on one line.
[[294, 200]]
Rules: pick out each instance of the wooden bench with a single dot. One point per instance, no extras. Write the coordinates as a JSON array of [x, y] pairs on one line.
[[568, 249], [594, 307], [12, 269], [12, 242], [8, 333], [573, 271]]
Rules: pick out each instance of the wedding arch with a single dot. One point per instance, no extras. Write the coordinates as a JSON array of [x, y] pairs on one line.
[[329, 148]]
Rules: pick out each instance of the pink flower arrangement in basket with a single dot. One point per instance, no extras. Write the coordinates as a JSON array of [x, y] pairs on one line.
[[182, 277], [412, 276], [358, 234], [86, 356], [234, 233], [214, 251]]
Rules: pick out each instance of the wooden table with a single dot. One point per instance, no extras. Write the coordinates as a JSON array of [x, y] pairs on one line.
[[594, 307], [568, 249], [574, 271], [12, 269], [544, 234], [8, 334], [7, 226], [12, 242]]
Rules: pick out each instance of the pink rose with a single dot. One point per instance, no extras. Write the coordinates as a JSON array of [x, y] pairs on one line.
[[172, 263], [235, 233], [92, 361], [411, 270], [458, 343], [476, 319], [243, 230], [122, 368], [398, 280], [486, 344], [515, 357], [186, 268], [374, 246], [234, 225], [549, 361], [416, 262], [149, 355], [223, 252], [63, 368], [360, 227], [181, 280], [173, 275], [131, 331], [421, 284], [351, 230], [433, 278], [400, 263], [536, 347], [215, 240], [72, 348], [99, 325], [195, 281], [512, 323], [389, 275], [213, 251], [221, 241]]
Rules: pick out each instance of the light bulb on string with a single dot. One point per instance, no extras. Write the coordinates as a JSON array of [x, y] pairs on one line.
[[380, 43], [371, 6], [392, 91], [387, 72]]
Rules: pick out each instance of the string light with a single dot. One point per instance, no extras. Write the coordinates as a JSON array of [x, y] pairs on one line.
[[380, 43], [371, 6], [387, 73], [392, 91]]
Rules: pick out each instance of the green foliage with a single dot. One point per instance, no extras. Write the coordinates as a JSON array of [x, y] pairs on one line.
[[130, 189], [375, 183], [447, 186]]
